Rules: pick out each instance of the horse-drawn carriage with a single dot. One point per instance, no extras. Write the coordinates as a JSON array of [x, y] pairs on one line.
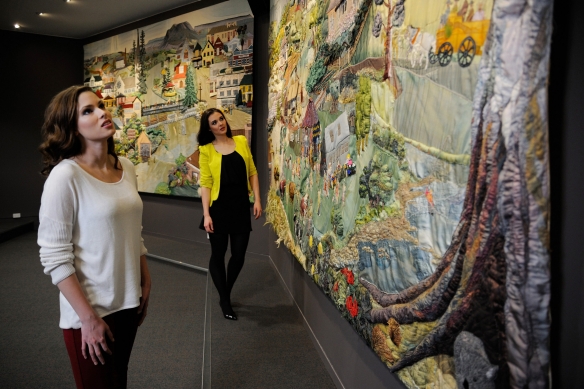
[[466, 38]]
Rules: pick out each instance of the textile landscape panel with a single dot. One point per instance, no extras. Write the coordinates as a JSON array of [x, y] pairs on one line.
[[386, 164], [157, 80]]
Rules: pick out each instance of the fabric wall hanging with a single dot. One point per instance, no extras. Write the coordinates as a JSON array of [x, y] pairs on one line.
[[409, 177], [157, 80]]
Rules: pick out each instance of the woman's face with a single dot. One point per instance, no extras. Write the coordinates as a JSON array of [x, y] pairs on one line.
[[94, 122], [218, 124]]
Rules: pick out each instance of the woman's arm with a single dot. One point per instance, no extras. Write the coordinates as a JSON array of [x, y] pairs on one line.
[[146, 284], [255, 186], [206, 181], [206, 199], [93, 328], [57, 216]]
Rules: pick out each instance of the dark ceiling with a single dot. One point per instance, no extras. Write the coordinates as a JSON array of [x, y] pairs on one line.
[[79, 19]]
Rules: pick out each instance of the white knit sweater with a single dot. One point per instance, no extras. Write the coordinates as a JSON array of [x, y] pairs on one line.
[[93, 229]]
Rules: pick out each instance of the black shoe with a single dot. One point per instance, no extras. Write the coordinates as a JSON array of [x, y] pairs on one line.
[[227, 311]]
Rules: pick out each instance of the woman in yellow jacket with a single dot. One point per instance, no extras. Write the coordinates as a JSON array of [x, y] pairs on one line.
[[228, 175]]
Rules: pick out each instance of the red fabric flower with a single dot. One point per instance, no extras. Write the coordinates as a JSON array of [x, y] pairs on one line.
[[348, 275], [352, 306], [336, 286]]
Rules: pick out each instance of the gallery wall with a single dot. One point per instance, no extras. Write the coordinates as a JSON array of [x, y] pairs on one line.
[[34, 68], [566, 95], [41, 66]]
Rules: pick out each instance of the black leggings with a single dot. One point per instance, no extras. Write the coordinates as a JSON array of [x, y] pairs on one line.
[[224, 281]]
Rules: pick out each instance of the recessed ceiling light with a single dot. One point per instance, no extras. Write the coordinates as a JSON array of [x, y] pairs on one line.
[[40, 13], [67, 1], [17, 25]]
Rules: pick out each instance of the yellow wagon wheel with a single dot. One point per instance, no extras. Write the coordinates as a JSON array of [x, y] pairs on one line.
[[466, 52]]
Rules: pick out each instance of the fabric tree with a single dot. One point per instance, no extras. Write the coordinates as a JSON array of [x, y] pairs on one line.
[[190, 90], [142, 77], [493, 280]]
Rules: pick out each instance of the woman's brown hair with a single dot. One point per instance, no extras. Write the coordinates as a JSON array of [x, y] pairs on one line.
[[59, 131]]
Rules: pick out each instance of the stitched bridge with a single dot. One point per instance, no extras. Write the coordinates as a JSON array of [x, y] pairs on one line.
[[161, 108]]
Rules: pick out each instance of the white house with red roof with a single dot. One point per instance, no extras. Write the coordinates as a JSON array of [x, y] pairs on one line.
[[180, 75], [218, 46], [132, 105]]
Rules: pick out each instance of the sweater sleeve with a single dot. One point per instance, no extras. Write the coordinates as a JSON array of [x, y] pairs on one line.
[[56, 216], [130, 170], [206, 179]]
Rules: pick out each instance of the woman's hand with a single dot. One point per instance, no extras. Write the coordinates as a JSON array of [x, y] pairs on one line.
[[93, 339], [146, 285], [93, 329], [208, 224], [257, 209]]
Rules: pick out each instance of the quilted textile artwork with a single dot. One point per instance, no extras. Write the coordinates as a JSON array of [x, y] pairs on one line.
[[157, 81], [409, 177]]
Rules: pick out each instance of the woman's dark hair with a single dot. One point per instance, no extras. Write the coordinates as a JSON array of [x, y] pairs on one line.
[[205, 135], [60, 138]]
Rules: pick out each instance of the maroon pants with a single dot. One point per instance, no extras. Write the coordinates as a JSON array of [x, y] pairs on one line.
[[114, 374]]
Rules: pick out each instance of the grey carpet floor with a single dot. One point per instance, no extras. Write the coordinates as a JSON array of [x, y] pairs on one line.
[[168, 350], [193, 253], [32, 352], [268, 347]]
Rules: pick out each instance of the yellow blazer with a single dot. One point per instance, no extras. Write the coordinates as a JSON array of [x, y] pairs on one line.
[[210, 165]]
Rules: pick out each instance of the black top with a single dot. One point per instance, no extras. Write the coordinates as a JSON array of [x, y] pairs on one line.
[[230, 212]]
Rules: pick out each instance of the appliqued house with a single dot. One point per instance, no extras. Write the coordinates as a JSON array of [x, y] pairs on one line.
[[208, 54], [233, 44], [197, 56], [336, 137], [184, 52], [225, 33], [192, 162], [218, 46], [132, 106], [180, 74], [227, 83], [93, 81], [246, 88], [144, 146], [242, 57], [109, 101], [108, 89], [125, 86]]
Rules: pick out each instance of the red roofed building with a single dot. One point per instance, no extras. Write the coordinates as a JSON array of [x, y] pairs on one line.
[[132, 105], [180, 74], [218, 47]]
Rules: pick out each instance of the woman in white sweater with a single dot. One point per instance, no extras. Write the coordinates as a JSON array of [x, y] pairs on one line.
[[90, 238]]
